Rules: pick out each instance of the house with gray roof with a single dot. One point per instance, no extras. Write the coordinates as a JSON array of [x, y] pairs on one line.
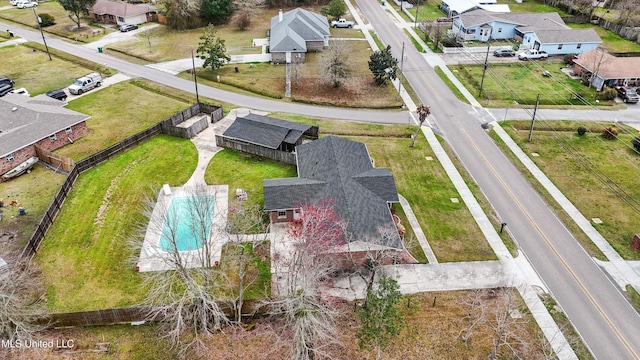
[[540, 31], [270, 132], [39, 121], [296, 32], [340, 170]]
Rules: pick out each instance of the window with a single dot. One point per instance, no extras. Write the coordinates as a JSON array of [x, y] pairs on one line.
[[9, 157], [578, 46], [68, 130], [120, 19], [499, 30], [282, 214], [53, 137], [559, 46]]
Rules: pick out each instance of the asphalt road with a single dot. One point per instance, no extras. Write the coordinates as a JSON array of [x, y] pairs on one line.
[[601, 314], [597, 308], [134, 70]]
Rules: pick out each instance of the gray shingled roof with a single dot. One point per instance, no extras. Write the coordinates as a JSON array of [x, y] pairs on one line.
[[296, 28], [339, 169], [524, 22], [568, 36], [34, 119], [266, 131]]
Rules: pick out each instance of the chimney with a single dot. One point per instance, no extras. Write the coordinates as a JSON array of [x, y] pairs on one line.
[[280, 16]]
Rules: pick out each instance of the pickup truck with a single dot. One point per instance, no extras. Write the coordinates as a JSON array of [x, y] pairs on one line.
[[342, 23], [532, 54], [85, 83]]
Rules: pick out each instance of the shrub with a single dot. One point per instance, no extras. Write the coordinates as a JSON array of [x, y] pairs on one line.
[[609, 132], [242, 20], [46, 20], [636, 143], [607, 94], [582, 130]]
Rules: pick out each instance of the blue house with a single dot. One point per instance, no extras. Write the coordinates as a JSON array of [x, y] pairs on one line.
[[540, 31]]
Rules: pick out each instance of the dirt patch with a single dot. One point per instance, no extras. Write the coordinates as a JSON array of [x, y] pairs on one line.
[[360, 92]]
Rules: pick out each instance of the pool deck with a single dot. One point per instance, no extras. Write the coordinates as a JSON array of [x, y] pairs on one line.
[[153, 258]]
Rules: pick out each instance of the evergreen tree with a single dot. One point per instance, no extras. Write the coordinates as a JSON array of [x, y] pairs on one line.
[[212, 49], [383, 65]]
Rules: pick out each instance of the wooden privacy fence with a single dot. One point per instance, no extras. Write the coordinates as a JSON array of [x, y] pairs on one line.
[[55, 160], [101, 156], [129, 315], [273, 154]]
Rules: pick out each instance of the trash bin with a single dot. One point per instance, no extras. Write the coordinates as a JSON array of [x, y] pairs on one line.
[[99, 49], [382, 2], [22, 211]]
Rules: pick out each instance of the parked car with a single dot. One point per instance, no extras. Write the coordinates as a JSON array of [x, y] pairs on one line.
[[20, 91], [628, 94], [6, 81], [444, 19], [504, 52], [58, 94], [128, 27], [342, 23], [532, 55], [5, 89], [85, 83], [27, 4]]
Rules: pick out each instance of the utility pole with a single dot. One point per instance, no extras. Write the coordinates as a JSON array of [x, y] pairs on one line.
[[417, 12], [486, 59], [533, 119], [195, 78], [401, 66], [41, 33]]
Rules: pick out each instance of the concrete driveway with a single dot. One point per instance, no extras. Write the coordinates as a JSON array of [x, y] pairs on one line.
[[118, 36]]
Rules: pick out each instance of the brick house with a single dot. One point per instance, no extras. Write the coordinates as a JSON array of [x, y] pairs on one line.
[[604, 69], [341, 170], [296, 32], [120, 12], [39, 121]]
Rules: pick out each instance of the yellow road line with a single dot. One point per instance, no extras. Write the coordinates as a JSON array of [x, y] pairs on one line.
[[555, 251]]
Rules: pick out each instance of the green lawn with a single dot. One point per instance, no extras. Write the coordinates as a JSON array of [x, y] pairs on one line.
[[530, 6], [113, 118], [504, 84], [34, 71], [85, 258], [615, 158], [246, 172], [610, 40]]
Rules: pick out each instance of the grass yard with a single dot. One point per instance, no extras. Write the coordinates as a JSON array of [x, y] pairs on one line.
[[530, 7], [112, 120], [427, 11], [449, 227], [610, 40], [63, 26], [32, 69], [263, 79], [359, 90], [557, 90], [615, 158], [85, 258], [258, 272], [246, 172], [33, 192]]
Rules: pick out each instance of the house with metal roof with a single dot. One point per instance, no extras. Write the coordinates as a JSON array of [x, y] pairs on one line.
[[457, 7], [121, 12], [340, 170], [296, 32], [39, 121], [540, 31], [603, 69]]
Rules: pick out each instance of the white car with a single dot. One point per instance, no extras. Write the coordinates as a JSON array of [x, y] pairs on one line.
[[20, 91], [27, 4]]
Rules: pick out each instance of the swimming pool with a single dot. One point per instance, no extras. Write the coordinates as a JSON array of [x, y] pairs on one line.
[[187, 223]]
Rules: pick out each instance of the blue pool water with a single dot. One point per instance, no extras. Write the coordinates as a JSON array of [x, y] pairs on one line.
[[183, 218]]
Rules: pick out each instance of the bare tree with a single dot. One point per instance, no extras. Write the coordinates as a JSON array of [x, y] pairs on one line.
[[475, 314], [433, 31], [627, 12], [184, 293], [305, 264], [597, 61], [241, 260], [20, 296], [586, 7], [182, 14], [334, 63]]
